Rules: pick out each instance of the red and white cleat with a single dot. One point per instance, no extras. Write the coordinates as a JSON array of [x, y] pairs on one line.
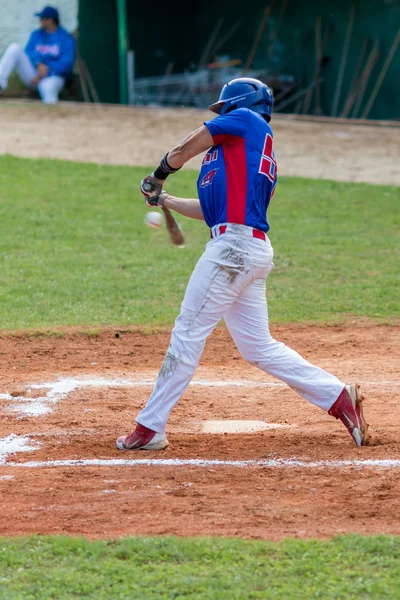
[[348, 408], [142, 438]]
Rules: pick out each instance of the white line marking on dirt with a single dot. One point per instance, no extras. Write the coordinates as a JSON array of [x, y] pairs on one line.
[[58, 390], [15, 443], [198, 462]]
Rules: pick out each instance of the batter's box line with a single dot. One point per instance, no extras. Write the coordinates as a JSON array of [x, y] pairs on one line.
[[177, 462]]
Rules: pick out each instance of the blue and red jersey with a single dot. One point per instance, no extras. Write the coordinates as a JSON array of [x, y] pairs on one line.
[[239, 173]]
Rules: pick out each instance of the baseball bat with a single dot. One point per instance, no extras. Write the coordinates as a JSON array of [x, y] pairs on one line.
[[174, 230]]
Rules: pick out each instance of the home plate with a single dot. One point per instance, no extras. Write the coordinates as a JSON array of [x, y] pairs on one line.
[[234, 426]]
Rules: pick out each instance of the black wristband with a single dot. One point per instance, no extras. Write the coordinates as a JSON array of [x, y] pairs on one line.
[[164, 169]]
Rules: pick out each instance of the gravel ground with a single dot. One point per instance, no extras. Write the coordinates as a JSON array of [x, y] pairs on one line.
[[140, 136]]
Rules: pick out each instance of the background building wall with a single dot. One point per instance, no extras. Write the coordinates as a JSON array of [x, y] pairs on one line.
[[17, 18]]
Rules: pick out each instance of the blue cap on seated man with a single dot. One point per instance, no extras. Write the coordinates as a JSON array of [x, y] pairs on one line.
[[48, 12]]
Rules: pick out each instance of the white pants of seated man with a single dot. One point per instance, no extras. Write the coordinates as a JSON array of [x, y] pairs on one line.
[[229, 281], [15, 58]]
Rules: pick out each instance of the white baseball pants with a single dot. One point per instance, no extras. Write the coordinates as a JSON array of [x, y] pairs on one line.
[[229, 281], [15, 58]]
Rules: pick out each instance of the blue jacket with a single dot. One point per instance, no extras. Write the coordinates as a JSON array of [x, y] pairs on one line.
[[56, 50]]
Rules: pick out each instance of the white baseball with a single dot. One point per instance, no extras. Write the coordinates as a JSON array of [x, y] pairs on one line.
[[153, 219]]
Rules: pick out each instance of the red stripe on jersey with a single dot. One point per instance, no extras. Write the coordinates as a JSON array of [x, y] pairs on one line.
[[236, 178], [218, 139]]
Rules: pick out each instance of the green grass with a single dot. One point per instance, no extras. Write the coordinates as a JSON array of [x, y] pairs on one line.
[[74, 249], [209, 568]]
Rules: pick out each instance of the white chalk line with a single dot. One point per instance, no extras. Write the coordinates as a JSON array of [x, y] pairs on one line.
[[198, 462], [13, 444]]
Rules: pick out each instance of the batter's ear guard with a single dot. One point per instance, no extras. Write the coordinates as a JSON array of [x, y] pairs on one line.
[[245, 92]]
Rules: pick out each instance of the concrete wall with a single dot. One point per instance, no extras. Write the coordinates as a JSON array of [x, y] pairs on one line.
[[17, 20]]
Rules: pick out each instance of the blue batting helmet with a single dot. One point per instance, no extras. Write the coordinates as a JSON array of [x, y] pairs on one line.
[[245, 92]]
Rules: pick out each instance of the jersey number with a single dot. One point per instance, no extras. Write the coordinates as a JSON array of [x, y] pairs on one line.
[[210, 157], [268, 165]]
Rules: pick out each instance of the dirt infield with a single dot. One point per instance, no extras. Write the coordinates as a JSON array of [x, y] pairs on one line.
[[140, 136], [67, 398]]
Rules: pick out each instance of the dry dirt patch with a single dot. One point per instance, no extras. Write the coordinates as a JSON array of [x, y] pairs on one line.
[[140, 136]]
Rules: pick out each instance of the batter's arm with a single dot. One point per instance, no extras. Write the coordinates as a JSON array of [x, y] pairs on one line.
[[195, 143], [188, 207]]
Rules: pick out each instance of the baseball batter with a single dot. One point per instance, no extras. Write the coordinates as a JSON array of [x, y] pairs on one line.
[[235, 186]]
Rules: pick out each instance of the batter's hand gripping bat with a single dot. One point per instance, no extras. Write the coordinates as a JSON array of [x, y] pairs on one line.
[[155, 197]]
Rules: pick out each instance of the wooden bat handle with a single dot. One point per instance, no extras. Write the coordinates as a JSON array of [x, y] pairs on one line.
[[174, 230]]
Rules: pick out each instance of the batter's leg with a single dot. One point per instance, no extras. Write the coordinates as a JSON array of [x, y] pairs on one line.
[[226, 268], [220, 276], [247, 321], [207, 297]]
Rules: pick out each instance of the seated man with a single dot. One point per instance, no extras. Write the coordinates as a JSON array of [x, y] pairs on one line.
[[47, 61]]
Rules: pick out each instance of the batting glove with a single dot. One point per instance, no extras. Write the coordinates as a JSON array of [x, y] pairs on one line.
[[152, 191]]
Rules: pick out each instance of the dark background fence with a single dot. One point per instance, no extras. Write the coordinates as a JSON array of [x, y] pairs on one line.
[[334, 47]]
